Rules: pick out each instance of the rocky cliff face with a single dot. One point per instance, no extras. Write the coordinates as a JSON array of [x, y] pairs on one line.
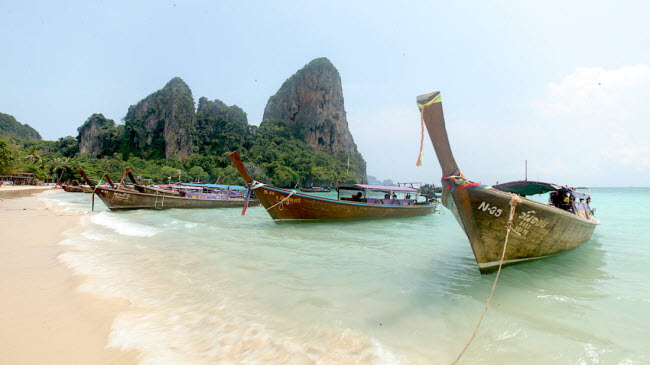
[[9, 126], [311, 102], [95, 135], [163, 121]]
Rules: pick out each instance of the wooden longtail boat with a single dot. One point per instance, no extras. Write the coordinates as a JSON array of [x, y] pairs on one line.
[[149, 189], [539, 230], [315, 189], [288, 205], [73, 187], [119, 198]]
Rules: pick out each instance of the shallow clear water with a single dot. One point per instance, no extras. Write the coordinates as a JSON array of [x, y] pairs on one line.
[[209, 286]]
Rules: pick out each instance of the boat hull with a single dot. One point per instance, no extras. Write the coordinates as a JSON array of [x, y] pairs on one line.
[[303, 207], [118, 199], [72, 189], [539, 230]]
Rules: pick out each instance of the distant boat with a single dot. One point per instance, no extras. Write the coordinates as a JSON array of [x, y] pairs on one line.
[[72, 187], [289, 205], [120, 198], [539, 230], [315, 189]]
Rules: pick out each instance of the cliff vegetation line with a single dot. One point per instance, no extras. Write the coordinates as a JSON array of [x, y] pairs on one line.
[[303, 138]]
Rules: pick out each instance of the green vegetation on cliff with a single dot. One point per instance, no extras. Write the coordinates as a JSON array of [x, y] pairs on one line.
[[303, 139], [10, 127]]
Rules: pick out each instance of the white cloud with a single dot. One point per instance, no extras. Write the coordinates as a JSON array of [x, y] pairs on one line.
[[605, 116], [590, 128]]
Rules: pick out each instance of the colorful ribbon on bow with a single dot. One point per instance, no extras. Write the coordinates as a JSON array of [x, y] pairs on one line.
[[458, 176]]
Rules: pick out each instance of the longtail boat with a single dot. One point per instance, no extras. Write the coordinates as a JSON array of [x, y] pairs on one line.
[[315, 189], [539, 230], [149, 189], [289, 205], [73, 187], [120, 198]]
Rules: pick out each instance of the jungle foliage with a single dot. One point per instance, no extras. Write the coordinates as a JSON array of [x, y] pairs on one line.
[[271, 152]]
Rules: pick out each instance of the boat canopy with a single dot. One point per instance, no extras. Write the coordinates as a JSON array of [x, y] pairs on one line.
[[215, 186], [382, 188], [525, 188]]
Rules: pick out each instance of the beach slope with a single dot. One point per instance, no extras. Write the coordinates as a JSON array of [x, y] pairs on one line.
[[45, 319]]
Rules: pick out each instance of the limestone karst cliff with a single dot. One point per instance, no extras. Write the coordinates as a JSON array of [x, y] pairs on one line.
[[163, 123], [97, 135], [311, 103]]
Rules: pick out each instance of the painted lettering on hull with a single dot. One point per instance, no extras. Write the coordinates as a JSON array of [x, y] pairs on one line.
[[492, 210], [121, 196], [528, 220]]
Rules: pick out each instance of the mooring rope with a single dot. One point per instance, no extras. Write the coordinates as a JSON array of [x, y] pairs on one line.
[[514, 200], [419, 162]]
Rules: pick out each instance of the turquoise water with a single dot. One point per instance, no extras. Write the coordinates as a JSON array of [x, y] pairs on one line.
[[211, 286]]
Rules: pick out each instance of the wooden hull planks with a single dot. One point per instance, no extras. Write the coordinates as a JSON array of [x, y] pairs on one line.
[[539, 230], [72, 189], [118, 199], [305, 207]]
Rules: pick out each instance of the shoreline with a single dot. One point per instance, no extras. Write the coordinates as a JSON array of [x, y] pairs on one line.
[[45, 318], [21, 191]]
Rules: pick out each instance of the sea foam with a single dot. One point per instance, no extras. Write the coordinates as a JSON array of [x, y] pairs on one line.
[[123, 226]]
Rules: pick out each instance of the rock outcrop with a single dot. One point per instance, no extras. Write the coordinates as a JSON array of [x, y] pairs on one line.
[[311, 103], [9, 126], [163, 121], [219, 127], [96, 135]]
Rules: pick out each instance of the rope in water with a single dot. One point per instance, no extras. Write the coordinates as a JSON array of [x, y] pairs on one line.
[[514, 200]]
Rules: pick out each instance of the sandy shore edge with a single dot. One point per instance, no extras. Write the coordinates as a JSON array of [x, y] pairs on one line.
[[45, 319]]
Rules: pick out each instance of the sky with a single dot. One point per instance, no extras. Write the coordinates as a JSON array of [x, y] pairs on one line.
[[562, 85]]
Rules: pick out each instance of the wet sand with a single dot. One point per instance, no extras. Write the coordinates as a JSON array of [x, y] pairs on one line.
[[45, 319]]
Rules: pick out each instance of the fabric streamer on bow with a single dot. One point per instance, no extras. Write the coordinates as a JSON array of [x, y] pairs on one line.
[[248, 197]]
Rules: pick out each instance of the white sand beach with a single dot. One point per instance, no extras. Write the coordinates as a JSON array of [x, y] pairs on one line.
[[45, 319]]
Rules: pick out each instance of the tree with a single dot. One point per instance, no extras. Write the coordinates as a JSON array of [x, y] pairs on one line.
[[7, 156], [197, 173], [33, 157], [60, 166], [166, 173]]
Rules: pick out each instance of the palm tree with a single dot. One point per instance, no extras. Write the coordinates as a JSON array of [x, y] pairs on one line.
[[33, 157], [60, 163]]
